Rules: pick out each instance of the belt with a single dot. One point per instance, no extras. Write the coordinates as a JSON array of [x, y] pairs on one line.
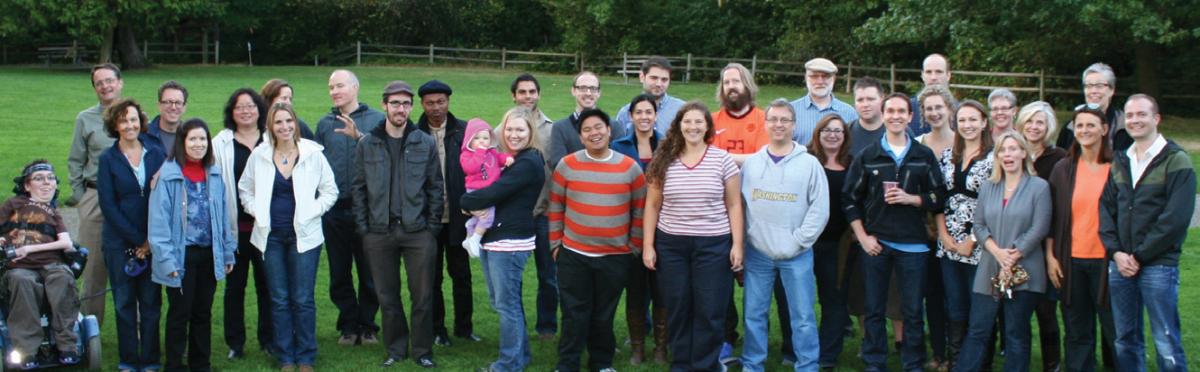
[[89, 184]]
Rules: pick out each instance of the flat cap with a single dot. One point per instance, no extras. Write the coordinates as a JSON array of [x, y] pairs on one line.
[[397, 86], [821, 65], [434, 86]]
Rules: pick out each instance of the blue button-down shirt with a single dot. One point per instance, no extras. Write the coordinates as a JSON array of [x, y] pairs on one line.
[[808, 114], [667, 108]]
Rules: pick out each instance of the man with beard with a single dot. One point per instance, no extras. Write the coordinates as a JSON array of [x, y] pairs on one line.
[[739, 123], [656, 78], [1099, 85], [820, 74], [935, 70], [398, 201], [565, 133], [447, 133]]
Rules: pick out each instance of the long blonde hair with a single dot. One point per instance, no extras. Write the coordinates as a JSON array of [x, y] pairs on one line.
[[998, 170]]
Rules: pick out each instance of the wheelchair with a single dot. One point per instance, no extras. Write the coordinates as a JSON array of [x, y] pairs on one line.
[[86, 327]]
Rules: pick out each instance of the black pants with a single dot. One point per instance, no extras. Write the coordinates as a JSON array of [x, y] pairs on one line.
[[385, 253], [356, 309], [458, 264], [235, 296], [590, 288], [1079, 319], [189, 313], [935, 306]]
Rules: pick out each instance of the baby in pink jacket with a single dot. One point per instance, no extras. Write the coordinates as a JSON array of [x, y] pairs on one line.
[[481, 163]]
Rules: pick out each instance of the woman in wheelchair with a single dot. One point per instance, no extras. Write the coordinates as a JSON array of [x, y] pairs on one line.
[[34, 238]]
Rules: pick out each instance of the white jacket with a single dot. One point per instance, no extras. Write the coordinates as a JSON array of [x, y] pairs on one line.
[[223, 154], [314, 190]]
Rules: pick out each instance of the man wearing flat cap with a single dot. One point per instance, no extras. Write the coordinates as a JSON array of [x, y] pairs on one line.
[[398, 205], [447, 133], [820, 74]]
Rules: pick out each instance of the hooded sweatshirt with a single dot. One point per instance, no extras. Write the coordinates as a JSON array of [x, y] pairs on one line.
[[481, 166], [787, 202]]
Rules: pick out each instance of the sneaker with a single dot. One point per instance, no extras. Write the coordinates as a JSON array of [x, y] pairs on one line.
[[68, 358], [789, 360], [235, 354], [726, 356], [368, 338], [305, 368], [608, 369], [472, 337], [441, 340], [348, 339], [287, 368]]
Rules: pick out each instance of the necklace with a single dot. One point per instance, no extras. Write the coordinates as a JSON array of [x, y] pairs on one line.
[[284, 157]]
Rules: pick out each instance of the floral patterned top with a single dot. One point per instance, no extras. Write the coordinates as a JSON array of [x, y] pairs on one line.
[[962, 188]]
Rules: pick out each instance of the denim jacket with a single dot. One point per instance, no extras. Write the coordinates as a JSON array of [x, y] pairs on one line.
[[168, 222]]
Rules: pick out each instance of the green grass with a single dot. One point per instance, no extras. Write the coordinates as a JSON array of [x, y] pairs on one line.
[[41, 106]]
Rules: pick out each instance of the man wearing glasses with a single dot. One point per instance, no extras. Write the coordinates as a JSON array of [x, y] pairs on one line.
[[88, 141], [1099, 85], [172, 103], [564, 136], [820, 76]]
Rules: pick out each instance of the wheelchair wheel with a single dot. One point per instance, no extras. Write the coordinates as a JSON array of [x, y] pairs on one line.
[[94, 361]]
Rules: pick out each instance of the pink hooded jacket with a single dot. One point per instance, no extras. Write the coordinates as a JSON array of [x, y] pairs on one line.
[[481, 167]]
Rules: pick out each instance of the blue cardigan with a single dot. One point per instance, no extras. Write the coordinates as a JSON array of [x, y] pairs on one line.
[[628, 145], [122, 200], [513, 195], [167, 218]]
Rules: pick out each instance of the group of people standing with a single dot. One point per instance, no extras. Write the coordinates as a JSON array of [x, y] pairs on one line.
[[956, 216]]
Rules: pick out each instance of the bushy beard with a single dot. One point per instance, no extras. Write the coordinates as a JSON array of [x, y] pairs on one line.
[[736, 104]]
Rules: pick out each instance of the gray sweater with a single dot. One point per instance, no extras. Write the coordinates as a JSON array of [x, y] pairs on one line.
[[1022, 224]]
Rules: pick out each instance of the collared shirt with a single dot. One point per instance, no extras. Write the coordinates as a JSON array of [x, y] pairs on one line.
[[807, 115], [1138, 166], [887, 147], [88, 141], [667, 108]]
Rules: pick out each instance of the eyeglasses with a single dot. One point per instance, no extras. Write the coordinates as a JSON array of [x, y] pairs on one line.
[[1002, 108], [246, 108], [105, 82], [587, 89], [400, 103], [779, 120], [51, 178], [832, 131], [1095, 86], [172, 103]]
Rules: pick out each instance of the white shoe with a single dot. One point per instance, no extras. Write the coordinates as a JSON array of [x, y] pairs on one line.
[[472, 245]]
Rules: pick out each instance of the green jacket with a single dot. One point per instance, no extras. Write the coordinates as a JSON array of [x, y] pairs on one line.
[[1150, 221]]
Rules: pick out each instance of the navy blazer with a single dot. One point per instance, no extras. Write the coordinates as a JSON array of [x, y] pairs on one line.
[[123, 201]]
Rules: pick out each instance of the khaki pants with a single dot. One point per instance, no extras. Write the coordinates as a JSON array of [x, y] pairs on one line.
[[29, 288], [95, 275]]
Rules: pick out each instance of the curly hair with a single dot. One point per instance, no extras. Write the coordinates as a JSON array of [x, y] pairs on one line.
[[116, 112]]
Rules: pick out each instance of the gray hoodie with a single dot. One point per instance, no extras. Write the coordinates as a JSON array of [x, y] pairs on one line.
[[787, 203]]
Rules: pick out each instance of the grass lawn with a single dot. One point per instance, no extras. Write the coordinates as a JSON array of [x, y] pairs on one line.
[[42, 106]]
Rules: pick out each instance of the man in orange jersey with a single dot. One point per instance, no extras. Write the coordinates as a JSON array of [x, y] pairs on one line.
[[739, 123]]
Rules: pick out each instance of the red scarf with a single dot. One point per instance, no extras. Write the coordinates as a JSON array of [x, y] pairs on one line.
[[193, 171]]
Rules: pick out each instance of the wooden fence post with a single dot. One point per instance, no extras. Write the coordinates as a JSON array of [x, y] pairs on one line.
[[849, 75], [503, 58], [687, 75], [1041, 85], [578, 62], [358, 53], [892, 80], [145, 49], [217, 52], [204, 48], [753, 65], [625, 65], [316, 60], [431, 54]]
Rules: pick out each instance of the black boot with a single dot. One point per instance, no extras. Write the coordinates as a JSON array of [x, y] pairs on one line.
[[958, 331]]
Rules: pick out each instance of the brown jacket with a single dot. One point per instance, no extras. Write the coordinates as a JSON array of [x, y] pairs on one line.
[[1062, 188]]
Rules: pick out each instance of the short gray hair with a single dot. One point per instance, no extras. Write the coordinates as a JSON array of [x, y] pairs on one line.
[[782, 103], [1001, 93], [1104, 70]]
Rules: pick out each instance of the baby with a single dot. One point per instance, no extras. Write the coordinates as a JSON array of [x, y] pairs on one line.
[[481, 164]]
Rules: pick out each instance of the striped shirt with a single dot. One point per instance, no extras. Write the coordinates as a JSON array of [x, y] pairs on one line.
[[694, 197], [511, 245], [596, 204]]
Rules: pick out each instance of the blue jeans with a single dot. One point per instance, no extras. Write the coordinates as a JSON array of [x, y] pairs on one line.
[[877, 274], [1018, 313], [832, 293], [138, 304], [957, 278], [503, 271], [1156, 287], [799, 284], [547, 287], [292, 279], [696, 283]]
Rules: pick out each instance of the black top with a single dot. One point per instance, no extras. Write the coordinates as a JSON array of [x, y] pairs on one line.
[[241, 154], [1045, 163], [283, 203], [837, 220], [395, 147], [513, 195]]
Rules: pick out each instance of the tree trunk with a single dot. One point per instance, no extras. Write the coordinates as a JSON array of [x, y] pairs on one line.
[[131, 56], [1146, 69], [106, 45]]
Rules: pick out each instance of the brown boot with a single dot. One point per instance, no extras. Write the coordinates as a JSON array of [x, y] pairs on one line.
[[637, 352], [660, 334]]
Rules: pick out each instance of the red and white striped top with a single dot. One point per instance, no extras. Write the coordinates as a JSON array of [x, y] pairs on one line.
[[694, 197], [511, 245]]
